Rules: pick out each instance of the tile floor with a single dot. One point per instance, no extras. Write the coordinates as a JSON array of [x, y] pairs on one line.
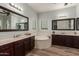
[[55, 51]]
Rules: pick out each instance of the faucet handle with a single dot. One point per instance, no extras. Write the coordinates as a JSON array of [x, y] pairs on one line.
[[53, 32], [75, 32]]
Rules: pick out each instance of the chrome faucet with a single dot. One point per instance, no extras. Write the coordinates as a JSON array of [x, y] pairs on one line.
[[53, 32], [16, 35]]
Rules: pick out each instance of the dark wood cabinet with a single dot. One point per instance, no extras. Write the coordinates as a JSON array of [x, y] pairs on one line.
[[69, 41], [6, 50], [65, 40], [29, 44], [76, 42], [18, 48], [58, 40], [24, 46], [54, 41], [32, 42]]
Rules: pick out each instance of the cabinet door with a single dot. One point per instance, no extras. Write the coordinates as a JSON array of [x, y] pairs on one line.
[[69, 41], [58, 40], [19, 48], [32, 42], [53, 40], [6, 50], [61, 40], [76, 42], [27, 45]]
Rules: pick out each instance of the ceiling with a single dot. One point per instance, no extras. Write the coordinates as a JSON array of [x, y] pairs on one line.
[[44, 7]]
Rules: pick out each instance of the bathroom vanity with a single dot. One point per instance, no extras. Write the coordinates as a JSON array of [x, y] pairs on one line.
[[66, 40], [19, 46], [16, 45], [69, 40]]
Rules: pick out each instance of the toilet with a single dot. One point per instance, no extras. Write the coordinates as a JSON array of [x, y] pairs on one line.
[[42, 42]]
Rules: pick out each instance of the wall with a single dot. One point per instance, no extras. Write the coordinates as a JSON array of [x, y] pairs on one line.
[[27, 11], [35, 25], [70, 12], [77, 10]]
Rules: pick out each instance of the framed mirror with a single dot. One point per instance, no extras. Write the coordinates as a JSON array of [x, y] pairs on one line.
[[12, 21], [63, 24]]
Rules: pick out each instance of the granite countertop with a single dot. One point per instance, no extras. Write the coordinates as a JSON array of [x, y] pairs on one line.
[[10, 40]]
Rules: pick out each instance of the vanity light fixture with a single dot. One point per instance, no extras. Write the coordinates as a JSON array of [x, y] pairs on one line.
[[65, 4], [15, 6]]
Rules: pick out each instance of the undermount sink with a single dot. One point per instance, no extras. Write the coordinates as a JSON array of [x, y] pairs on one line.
[[16, 36], [27, 34]]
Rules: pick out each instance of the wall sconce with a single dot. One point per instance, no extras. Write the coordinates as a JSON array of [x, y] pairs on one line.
[[15, 6]]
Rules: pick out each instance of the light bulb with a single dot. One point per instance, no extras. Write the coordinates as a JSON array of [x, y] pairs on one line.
[[15, 6], [12, 4], [21, 9]]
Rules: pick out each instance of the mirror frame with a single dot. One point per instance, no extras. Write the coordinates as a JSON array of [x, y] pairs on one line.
[[76, 23], [7, 30], [64, 20]]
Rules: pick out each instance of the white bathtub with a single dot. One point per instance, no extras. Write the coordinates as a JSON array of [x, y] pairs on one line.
[[42, 42]]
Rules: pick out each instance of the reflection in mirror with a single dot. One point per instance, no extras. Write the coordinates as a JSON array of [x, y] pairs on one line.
[[18, 22], [21, 25], [54, 25], [12, 21], [4, 19], [63, 24]]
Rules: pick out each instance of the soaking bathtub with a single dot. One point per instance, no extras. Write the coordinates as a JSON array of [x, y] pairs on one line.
[[42, 42]]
